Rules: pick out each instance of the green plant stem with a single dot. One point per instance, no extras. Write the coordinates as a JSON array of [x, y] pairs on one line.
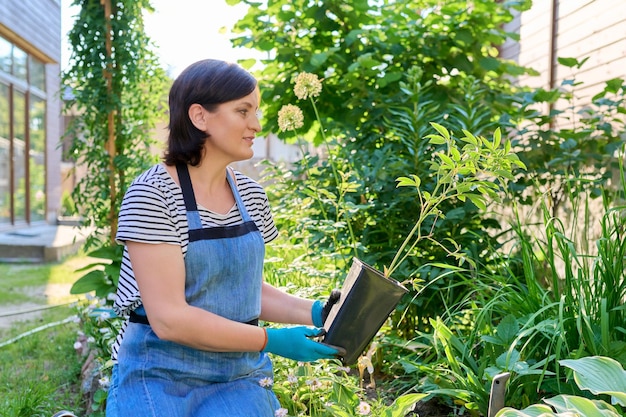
[[306, 167], [335, 174], [426, 209]]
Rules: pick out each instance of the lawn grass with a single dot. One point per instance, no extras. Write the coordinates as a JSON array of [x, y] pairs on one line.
[[19, 282], [40, 371]]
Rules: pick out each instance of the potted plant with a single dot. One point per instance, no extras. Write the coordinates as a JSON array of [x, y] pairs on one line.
[[468, 168]]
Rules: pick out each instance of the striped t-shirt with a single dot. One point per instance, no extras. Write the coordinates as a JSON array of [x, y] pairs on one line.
[[153, 211]]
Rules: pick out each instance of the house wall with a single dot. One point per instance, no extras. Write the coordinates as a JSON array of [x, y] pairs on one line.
[[35, 27], [593, 29]]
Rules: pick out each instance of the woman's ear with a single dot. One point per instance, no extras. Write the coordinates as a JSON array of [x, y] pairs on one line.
[[196, 115]]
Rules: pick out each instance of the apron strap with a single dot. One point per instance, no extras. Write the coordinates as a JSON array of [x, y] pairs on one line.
[[196, 231], [185, 185]]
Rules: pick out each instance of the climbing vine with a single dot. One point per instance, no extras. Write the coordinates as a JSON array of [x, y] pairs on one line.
[[118, 93]]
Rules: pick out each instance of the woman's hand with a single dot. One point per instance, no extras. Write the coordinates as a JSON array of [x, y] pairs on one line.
[[295, 343]]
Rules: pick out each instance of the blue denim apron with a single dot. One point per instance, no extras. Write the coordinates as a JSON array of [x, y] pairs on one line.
[[154, 377]]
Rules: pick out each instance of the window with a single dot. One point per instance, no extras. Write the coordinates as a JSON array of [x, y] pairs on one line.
[[22, 136], [36, 159], [5, 56], [5, 156]]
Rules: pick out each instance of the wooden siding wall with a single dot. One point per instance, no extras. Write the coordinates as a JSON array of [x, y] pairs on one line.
[[594, 29], [35, 27]]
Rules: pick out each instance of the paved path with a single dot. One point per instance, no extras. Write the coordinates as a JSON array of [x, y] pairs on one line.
[[41, 243]]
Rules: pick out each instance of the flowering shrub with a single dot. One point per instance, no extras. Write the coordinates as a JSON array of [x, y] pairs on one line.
[[100, 327], [329, 389], [469, 168]]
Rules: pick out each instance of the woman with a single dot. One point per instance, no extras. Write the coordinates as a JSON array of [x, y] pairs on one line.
[[191, 281]]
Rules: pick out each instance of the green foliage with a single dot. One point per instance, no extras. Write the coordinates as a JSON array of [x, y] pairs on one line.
[[363, 49], [68, 207], [474, 171], [568, 148], [389, 69], [100, 326], [322, 388], [102, 276], [601, 376], [118, 95], [327, 390], [41, 371], [555, 297]]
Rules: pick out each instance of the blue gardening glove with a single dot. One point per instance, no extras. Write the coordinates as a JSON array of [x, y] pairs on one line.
[[295, 343], [320, 310]]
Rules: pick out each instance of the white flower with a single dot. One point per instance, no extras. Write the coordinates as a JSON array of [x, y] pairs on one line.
[[363, 408], [292, 379], [307, 85], [266, 382], [104, 382], [78, 345], [105, 315], [281, 412], [290, 117], [314, 384], [91, 339]]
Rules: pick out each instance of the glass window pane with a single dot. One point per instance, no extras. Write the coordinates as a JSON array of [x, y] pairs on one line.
[[36, 160], [5, 188], [19, 157], [37, 74], [20, 59], [5, 55]]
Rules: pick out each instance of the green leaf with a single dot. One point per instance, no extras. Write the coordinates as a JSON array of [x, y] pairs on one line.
[[538, 410], [352, 36], [568, 62], [600, 375], [442, 130], [447, 161], [497, 138], [403, 404], [504, 174], [456, 155], [317, 60], [436, 139], [478, 200], [489, 63], [338, 411], [614, 85], [469, 138], [580, 406], [413, 181], [91, 281], [508, 329], [247, 63], [389, 78]]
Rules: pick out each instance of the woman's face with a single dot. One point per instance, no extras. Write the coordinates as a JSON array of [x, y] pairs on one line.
[[231, 128]]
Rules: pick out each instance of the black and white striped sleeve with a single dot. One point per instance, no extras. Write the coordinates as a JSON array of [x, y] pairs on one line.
[[145, 216]]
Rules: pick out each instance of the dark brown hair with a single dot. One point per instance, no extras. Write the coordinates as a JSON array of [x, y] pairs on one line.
[[209, 83]]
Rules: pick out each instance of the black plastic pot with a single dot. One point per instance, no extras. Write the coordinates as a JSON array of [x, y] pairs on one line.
[[367, 300]]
